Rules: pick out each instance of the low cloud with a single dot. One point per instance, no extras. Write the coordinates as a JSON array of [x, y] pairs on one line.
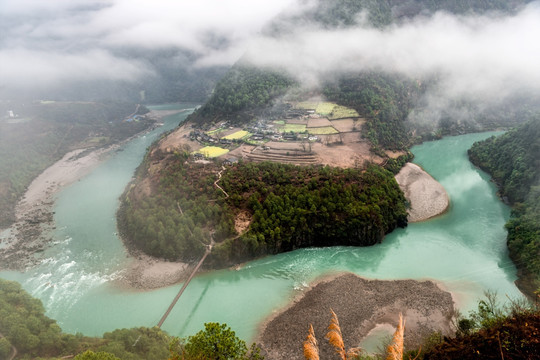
[[53, 68], [49, 42], [473, 56]]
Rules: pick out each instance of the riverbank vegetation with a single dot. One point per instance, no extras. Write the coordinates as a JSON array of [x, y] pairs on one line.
[[242, 92], [28, 333], [35, 135], [513, 159], [491, 331], [173, 211]]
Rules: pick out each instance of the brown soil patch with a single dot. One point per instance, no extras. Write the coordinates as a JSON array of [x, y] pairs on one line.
[[394, 154], [179, 138], [318, 122], [291, 146], [360, 305], [242, 221], [242, 151], [348, 125], [352, 153]]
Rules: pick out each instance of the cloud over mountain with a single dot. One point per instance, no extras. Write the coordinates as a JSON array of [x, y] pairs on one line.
[[488, 55], [46, 42]]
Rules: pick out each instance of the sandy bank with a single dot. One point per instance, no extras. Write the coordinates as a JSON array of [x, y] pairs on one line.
[[426, 196], [146, 273], [360, 305], [34, 216], [31, 232]]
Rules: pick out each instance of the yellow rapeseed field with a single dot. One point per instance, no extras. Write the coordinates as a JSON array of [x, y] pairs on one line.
[[237, 135], [212, 151]]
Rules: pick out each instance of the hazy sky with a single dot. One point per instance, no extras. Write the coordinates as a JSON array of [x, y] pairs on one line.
[[48, 42], [44, 42]]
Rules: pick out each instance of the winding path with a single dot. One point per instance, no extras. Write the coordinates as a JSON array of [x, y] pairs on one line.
[[14, 351], [219, 178]]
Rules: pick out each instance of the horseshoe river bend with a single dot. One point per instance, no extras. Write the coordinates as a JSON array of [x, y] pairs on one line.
[[463, 250]]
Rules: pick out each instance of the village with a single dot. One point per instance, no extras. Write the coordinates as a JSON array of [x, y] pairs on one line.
[[304, 133]]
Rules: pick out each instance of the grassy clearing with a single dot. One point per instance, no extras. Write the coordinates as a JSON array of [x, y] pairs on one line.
[[325, 108], [341, 112], [237, 135], [212, 151], [297, 128], [306, 105], [98, 140], [279, 122], [327, 130]]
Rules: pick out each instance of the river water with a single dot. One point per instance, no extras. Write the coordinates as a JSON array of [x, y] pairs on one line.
[[464, 250]]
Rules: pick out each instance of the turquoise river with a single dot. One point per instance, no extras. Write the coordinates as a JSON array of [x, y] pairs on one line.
[[463, 250]]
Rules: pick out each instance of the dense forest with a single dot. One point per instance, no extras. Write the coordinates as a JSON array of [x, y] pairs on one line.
[[293, 207], [287, 207], [242, 92], [382, 13], [384, 100], [39, 134], [513, 159]]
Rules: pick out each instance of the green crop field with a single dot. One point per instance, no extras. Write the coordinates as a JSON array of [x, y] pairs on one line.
[[279, 122], [306, 105], [327, 130], [212, 151], [297, 128], [237, 135], [341, 112], [325, 108]]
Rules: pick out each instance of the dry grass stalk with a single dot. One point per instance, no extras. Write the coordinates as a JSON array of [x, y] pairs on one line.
[[311, 350], [353, 353], [334, 336], [395, 349]]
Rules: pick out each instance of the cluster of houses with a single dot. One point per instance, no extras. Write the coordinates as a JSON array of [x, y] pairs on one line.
[[204, 138], [261, 130], [134, 118]]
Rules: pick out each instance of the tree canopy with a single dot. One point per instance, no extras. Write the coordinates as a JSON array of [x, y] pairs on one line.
[[513, 159]]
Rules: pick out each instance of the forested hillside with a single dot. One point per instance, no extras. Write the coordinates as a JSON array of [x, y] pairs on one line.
[[25, 329], [384, 99], [242, 92], [39, 134], [343, 13], [285, 207], [513, 159]]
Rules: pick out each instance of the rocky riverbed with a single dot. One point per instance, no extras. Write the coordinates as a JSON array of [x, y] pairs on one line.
[[360, 305]]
